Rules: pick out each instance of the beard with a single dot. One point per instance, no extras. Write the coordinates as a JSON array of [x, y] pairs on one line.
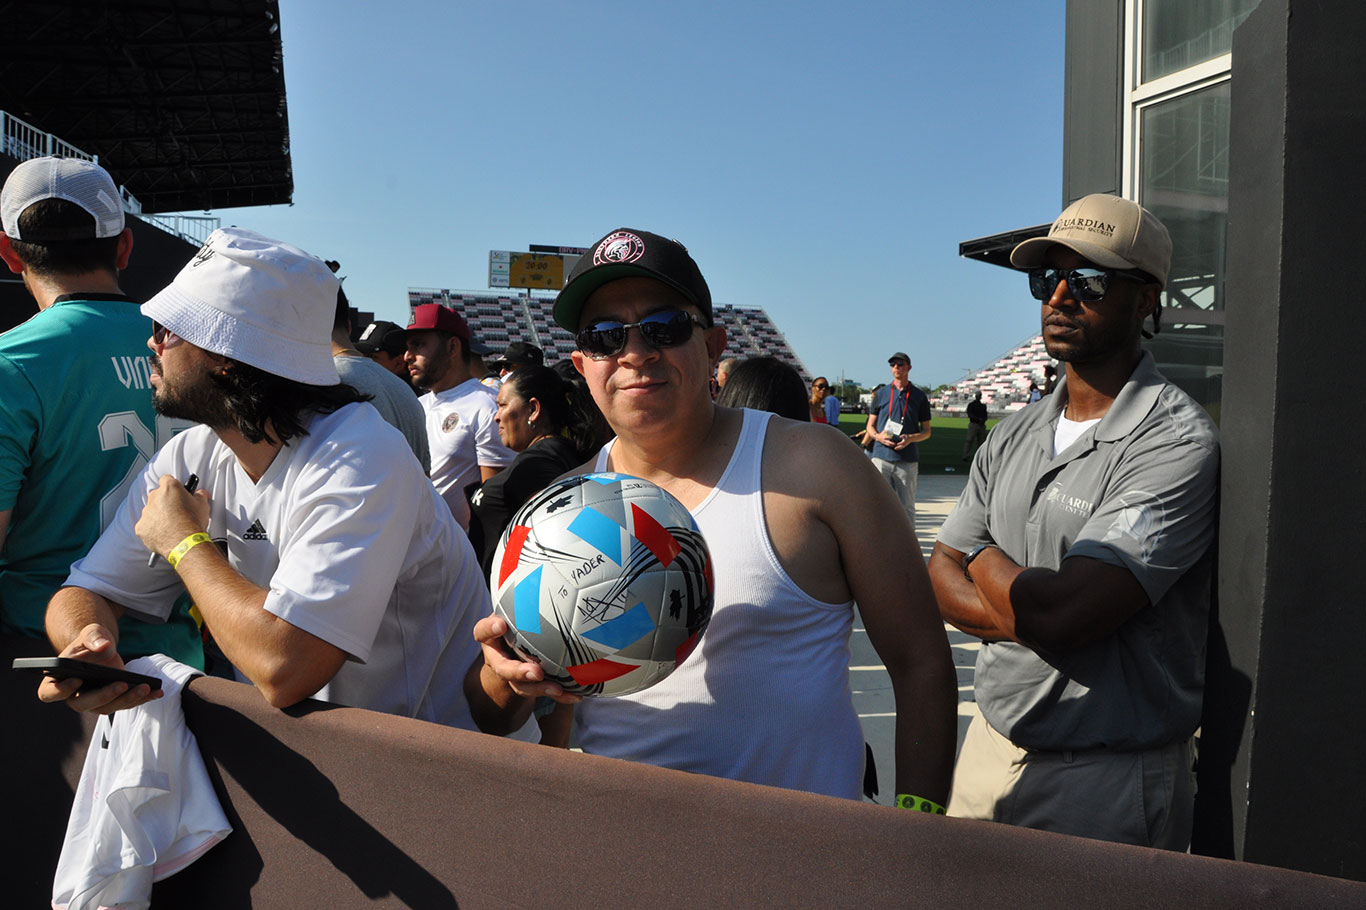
[[435, 367], [191, 397]]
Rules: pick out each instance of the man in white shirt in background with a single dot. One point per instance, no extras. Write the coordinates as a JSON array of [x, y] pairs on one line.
[[463, 435], [391, 396]]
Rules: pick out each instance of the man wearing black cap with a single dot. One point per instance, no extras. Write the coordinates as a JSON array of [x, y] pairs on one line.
[[797, 533], [463, 434], [1079, 554], [517, 355], [76, 417], [386, 344]]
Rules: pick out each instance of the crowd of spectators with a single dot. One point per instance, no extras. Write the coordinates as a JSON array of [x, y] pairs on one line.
[[318, 530]]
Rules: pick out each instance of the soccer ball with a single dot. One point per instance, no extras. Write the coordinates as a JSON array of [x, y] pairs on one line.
[[605, 581]]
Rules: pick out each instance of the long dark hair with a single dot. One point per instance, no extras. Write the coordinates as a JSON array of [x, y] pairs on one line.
[[767, 384], [255, 398], [563, 410]]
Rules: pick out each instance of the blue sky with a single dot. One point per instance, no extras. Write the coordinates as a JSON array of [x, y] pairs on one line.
[[820, 160]]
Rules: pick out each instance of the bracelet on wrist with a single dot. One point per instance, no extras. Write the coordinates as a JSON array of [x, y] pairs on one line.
[[189, 543], [918, 804]]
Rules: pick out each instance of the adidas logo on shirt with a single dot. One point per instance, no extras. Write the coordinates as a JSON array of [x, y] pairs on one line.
[[255, 532]]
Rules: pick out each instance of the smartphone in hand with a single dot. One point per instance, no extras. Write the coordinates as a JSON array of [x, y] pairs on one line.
[[99, 674]]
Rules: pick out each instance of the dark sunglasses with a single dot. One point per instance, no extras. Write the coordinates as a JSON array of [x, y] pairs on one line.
[[164, 337], [1086, 285], [820, 385], [665, 329]]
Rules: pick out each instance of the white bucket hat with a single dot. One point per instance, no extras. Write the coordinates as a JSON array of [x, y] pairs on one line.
[[257, 300]]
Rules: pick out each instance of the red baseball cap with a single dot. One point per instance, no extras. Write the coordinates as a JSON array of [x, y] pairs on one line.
[[434, 316]]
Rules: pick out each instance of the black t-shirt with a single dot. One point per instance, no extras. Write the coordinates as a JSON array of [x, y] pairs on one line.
[[493, 504], [977, 412]]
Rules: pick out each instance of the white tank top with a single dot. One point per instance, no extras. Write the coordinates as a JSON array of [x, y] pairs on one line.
[[766, 697]]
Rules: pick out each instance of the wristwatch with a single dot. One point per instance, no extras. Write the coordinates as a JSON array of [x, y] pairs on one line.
[[967, 560]]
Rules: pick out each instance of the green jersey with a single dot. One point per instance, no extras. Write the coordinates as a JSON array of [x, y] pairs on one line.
[[76, 429]]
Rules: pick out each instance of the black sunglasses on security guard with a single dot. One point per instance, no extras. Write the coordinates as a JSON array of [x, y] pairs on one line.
[[665, 329], [1087, 285]]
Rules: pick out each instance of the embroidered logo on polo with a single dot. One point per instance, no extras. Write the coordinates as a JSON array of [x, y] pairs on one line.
[[619, 248], [450, 423], [1075, 505], [255, 532], [1140, 519]]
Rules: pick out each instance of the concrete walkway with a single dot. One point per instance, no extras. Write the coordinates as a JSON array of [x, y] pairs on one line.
[[935, 498]]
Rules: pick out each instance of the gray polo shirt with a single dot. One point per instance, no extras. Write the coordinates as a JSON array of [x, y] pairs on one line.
[[1136, 490]]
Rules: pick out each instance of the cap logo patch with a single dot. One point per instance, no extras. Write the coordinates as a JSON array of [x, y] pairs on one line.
[[1092, 225], [619, 248]]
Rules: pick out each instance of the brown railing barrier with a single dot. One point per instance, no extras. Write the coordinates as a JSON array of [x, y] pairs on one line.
[[337, 807]]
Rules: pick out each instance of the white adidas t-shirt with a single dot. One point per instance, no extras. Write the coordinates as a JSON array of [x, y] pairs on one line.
[[463, 435], [352, 542]]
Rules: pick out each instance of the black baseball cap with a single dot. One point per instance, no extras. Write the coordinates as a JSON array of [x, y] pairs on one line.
[[383, 336], [631, 253], [519, 354]]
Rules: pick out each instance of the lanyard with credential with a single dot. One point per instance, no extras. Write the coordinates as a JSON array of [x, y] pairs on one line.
[[905, 404]]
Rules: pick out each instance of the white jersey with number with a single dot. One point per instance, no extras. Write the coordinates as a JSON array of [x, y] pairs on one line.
[[463, 435], [353, 544]]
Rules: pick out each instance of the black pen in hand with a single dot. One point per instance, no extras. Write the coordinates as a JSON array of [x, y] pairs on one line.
[[189, 488]]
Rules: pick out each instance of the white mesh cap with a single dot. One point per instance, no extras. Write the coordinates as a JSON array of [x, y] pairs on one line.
[[257, 300], [74, 179]]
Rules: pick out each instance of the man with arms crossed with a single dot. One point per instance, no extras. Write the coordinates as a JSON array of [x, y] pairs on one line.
[[322, 560], [76, 419], [765, 698], [465, 446], [1079, 554]]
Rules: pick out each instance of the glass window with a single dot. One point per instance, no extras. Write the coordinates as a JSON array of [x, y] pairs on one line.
[[1184, 181], [1181, 33]]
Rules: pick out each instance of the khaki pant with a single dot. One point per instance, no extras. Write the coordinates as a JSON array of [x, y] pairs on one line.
[[904, 477], [1143, 798]]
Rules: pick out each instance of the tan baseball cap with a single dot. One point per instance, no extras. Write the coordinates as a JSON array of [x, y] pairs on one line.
[[1112, 232]]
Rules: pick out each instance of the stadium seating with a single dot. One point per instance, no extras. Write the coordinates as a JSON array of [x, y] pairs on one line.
[[1004, 383]]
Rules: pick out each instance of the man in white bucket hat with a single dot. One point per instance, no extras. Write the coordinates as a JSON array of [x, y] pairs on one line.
[[334, 570]]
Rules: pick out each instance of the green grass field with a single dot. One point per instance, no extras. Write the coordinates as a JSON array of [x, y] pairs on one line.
[[942, 453]]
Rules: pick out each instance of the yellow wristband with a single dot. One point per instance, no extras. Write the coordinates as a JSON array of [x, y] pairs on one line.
[[918, 804], [189, 543]]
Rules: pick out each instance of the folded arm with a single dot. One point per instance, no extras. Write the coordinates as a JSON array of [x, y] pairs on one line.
[[1055, 612]]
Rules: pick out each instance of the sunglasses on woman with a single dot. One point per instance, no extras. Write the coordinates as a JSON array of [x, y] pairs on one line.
[[665, 329], [1087, 285]]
